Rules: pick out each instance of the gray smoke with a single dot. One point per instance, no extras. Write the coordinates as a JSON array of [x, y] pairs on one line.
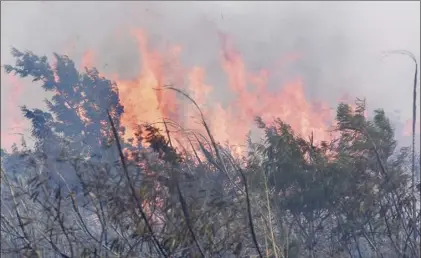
[[341, 43]]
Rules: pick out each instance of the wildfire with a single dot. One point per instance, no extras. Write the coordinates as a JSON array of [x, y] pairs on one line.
[[145, 100]]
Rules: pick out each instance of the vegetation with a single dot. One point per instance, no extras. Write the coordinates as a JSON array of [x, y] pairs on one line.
[[83, 191]]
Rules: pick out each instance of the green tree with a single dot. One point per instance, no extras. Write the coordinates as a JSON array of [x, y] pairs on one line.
[[77, 109], [77, 193]]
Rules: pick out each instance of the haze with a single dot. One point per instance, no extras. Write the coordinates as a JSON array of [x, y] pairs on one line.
[[341, 43]]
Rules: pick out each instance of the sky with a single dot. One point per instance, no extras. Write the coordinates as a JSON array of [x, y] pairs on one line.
[[340, 44]]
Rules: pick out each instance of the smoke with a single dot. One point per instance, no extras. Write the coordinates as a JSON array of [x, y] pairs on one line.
[[340, 44]]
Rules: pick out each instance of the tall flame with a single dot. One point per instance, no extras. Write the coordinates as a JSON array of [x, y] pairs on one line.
[[145, 100]]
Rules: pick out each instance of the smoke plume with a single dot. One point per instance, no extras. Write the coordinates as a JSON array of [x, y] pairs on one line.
[[339, 44]]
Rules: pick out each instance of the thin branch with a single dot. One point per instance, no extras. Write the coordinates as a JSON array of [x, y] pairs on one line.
[[138, 202]]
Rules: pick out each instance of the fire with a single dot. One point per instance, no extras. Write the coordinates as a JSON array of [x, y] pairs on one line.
[[88, 59], [13, 117], [145, 100], [289, 103], [407, 129]]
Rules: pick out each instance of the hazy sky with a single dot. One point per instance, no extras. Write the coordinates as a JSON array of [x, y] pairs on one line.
[[340, 42]]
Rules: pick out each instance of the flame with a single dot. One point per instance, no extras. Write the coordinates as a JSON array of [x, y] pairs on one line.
[[14, 118], [145, 100], [407, 129], [289, 103], [88, 59]]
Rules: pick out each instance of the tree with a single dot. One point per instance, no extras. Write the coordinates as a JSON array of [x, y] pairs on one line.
[[77, 110], [78, 193], [358, 182], [79, 186]]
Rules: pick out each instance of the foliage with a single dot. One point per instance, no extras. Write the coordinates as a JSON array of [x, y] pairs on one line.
[[83, 191]]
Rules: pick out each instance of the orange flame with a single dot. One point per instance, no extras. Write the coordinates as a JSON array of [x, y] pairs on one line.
[[87, 59], [14, 118], [407, 129], [144, 99], [289, 104]]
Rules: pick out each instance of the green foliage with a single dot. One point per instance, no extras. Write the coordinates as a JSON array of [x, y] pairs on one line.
[[72, 196], [77, 109]]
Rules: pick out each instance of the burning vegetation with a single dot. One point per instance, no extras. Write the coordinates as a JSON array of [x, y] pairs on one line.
[[143, 168]]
